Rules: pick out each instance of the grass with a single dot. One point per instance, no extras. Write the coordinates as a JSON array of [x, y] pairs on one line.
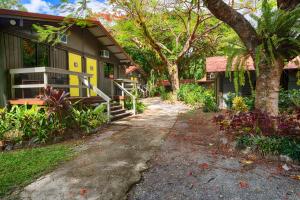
[[21, 167]]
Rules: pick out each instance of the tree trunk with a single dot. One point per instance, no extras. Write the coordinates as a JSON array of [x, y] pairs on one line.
[[173, 73], [268, 86]]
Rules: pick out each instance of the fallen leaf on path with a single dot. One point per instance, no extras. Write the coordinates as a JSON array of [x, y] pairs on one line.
[[246, 162], [296, 177], [243, 184], [190, 173], [285, 167], [83, 191], [204, 166]]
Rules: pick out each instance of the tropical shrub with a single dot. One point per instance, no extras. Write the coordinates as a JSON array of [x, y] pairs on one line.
[[191, 94], [197, 96], [23, 123], [289, 99], [250, 102], [209, 102], [272, 145], [238, 104], [57, 101], [140, 106], [89, 119], [164, 94]]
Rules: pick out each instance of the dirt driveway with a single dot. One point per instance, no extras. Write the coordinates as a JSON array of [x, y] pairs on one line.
[[198, 162], [111, 162]]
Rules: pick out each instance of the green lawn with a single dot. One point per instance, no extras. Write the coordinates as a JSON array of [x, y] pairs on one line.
[[19, 168]]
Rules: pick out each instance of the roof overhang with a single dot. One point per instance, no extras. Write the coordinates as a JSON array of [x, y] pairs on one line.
[[97, 29]]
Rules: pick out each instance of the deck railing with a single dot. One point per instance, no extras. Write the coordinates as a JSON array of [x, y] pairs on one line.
[[121, 84], [83, 83]]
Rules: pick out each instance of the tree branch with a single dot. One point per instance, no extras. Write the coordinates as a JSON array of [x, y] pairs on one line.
[[235, 20]]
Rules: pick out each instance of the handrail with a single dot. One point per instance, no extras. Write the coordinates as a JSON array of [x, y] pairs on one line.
[[125, 80], [47, 70], [98, 92], [129, 94]]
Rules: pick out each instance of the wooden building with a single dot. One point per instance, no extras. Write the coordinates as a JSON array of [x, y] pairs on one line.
[[89, 53], [216, 68]]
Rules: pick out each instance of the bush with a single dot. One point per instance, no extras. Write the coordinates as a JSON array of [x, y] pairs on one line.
[[198, 96], [259, 123], [238, 104], [209, 102], [164, 94], [289, 99], [140, 107], [250, 102], [89, 119], [22, 123], [272, 145], [191, 94]]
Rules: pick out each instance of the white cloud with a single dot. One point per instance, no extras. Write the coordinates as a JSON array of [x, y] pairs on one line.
[[39, 6]]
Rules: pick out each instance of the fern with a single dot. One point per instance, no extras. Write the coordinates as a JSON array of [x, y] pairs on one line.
[[279, 32]]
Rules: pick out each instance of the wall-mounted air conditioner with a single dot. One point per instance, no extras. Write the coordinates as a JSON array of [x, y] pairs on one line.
[[212, 76], [63, 38], [104, 54]]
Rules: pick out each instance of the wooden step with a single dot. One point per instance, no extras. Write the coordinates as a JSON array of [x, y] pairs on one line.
[[118, 107], [29, 101], [116, 112], [121, 116]]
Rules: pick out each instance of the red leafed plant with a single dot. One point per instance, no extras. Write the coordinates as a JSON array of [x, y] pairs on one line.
[[57, 101], [257, 122]]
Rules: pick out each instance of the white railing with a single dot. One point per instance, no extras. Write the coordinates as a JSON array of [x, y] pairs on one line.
[[125, 91], [83, 77]]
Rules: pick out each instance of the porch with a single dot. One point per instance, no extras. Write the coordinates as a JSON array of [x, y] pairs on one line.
[[27, 84]]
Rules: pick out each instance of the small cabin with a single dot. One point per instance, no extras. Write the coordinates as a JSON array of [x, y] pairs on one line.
[[86, 62], [216, 70]]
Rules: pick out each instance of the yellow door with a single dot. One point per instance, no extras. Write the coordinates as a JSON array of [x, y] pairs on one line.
[[91, 68], [76, 66]]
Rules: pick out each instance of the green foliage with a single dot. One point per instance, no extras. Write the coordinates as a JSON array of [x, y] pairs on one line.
[[238, 104], [191, 94], [289, 99], [19, 168], [164, 94], [209, 102], [272, 145], [198, 96], [250, 102], [279, 32], [22, 122], [140, 106], [89, 119], [193, 69], [12, 5]]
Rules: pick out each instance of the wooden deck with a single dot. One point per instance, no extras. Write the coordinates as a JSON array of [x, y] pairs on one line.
[[40, 102]]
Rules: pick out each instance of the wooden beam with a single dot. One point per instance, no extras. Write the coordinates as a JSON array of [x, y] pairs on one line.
[[101, 36], [109, 45], [117, 52]]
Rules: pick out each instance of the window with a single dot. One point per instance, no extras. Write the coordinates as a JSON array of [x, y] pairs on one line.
[[108, 70], [35, 54]]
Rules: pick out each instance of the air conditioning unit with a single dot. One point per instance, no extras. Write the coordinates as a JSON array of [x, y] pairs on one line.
[[212, 76], [63, 38], [104, 54]]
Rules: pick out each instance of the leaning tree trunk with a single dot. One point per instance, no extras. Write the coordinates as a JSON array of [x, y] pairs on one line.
[[173, 73], [268, 86]]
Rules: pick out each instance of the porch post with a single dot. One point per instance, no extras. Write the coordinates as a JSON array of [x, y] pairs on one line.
[[46, 79], [12, 83]]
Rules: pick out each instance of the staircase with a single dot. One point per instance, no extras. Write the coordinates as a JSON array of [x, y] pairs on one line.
[[117, 112]]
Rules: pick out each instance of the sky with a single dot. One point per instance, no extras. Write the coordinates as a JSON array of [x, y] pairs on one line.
[[44, 6]]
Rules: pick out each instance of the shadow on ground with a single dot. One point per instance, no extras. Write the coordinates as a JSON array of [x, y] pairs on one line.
[[197, 162]]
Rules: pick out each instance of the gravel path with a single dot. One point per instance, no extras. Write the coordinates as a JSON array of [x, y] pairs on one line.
[[110, 162], [197, 162]]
